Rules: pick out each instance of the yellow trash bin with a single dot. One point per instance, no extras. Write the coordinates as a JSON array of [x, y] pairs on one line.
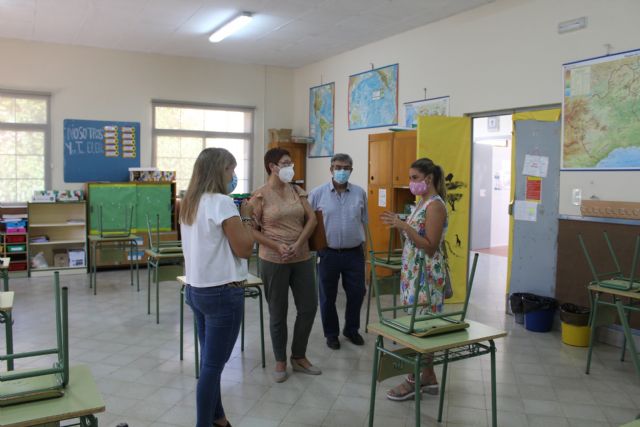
[[577, 336]]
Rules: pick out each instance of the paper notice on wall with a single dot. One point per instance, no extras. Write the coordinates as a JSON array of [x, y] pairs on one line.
[[533, 192], [525, 211], [535, 165], [382, 197]]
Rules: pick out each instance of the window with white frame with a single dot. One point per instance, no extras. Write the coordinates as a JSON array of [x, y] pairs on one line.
[[24, 138], [182, 131]]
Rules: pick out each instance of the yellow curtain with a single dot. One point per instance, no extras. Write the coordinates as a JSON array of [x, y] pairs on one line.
[[447, 141]]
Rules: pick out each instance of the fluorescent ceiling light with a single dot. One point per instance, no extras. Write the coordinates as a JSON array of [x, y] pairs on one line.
[[231, 27]]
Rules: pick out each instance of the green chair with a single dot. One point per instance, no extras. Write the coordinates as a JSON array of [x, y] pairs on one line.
[[423, 325], [124, 231], [614, 279], [37, 384], [158, 246]]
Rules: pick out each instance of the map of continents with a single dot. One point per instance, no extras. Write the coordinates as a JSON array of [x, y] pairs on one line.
[[373, 98], [321, 120], [602, 113]]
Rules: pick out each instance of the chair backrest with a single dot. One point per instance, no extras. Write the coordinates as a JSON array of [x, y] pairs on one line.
[[127, 222], [613, 279], [37, 384], [156, 245]]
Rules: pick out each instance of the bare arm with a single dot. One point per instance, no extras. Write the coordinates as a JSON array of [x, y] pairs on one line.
[[239, 235], [436, 217]]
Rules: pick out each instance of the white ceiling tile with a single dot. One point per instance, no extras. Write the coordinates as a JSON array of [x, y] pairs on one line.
[[287, 33]]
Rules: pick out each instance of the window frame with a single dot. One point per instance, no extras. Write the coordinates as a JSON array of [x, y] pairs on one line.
[[33, 127], [204, 134]]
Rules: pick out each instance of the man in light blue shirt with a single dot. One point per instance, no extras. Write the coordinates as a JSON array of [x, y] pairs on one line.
[[344, 209]]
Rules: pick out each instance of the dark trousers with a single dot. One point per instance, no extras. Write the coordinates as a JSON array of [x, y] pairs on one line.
[[277, 279], [218, 313], [350, 265]]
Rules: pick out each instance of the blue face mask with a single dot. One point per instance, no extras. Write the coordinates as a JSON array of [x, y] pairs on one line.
[[341, 176], [232, 184]]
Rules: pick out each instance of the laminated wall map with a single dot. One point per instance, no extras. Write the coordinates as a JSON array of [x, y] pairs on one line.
[[601, 113], [373, 98]]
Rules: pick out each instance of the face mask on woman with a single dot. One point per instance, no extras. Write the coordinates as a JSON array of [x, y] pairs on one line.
[[232, 184], [286, 173], [419, 188]]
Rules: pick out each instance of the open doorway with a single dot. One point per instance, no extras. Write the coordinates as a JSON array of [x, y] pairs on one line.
[[491, 189]]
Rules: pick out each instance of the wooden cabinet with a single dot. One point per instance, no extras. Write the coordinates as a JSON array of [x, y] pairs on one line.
[[404, 153], [58, 231], [298, 154], [390, 155], [380, 152]]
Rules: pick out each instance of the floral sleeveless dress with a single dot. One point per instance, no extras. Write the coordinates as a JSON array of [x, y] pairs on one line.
[[431, 279]]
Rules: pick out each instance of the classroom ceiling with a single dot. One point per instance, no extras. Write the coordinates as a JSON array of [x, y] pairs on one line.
[[288, 33]]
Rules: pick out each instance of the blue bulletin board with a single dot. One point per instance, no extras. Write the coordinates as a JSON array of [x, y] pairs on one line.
[[100, 150]]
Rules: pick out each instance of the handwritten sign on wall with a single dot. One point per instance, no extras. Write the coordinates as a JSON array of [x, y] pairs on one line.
[[100, 150]]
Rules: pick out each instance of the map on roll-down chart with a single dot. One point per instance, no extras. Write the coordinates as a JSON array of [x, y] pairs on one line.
[[601, 113], [373, 98], [425, 107], [321, 119]]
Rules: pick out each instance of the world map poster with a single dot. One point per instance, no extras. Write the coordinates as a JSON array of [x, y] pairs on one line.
[[601, 113], [373, 98], [321, 119]]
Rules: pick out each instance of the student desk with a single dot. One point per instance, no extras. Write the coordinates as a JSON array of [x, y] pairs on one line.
[[4, 272], [596, 293], [96, 241], [154, 260], [476, 340], [251, 290], [81, 400], [6, 306]]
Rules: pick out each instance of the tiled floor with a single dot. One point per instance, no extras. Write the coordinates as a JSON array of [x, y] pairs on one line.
[[136, 364]]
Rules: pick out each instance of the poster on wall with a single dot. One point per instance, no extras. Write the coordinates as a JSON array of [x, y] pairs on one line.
[[321, 119], [600, 111], [373, 98], [425, 107], [100, 150]]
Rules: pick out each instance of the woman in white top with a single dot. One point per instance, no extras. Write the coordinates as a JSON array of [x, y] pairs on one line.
[[217, 241]]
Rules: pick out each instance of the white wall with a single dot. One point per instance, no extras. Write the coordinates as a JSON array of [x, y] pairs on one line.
[[464, 57], [101, 84], [500, 193]]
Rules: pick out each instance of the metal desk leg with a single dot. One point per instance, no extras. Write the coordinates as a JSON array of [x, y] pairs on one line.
[[628, 335], [445, 365], [369, 296], [592, 323], [149, 267], [157, 277], [261, 326], [494, 403], [131, 260], [94, 269], [137, 259], [417, 374], [5, 280], [8, 327], [181, 321], [374, 378]]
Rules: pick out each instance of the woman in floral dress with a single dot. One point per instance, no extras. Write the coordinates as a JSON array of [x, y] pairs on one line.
[[424, 232]]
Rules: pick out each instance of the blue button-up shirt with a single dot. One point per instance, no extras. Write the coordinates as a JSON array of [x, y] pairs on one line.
[[344, 214]]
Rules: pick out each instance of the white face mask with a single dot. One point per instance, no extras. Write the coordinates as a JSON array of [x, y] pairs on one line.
[[286, 174]]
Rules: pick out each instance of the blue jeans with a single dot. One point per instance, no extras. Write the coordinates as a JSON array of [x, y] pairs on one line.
[[218, 313], [350, 265]]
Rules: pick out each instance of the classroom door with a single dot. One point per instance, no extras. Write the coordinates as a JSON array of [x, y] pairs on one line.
[[532, 254]]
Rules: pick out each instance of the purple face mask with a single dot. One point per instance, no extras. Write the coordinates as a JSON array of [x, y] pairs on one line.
[[419, 188]]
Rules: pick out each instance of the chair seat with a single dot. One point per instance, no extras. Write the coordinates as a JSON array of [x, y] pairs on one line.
[[620, 284], [429, 327], [30, 389]]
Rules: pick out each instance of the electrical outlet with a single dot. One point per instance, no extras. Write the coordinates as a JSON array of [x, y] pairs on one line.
[[576, 197]]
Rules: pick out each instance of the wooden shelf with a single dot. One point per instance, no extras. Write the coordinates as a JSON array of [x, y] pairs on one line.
[[56, 242], [60, 224]]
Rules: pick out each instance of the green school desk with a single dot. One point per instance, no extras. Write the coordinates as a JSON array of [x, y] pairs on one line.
[[6, 307], [154, 261], [613, 308], [4, 272], [96, 241], [476, 340], [251, 290], [81, 400]]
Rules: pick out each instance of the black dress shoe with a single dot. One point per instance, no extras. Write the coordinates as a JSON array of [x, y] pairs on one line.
[[333, 343], [355, 338]]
